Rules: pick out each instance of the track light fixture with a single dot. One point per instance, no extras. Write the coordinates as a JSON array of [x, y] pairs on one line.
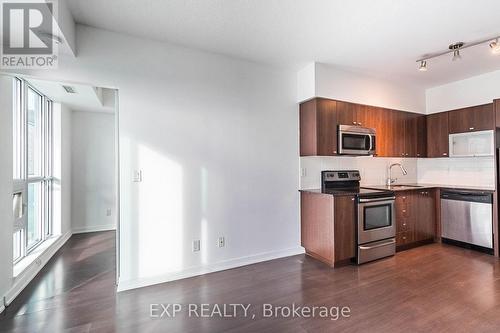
[[456, 50], [457, 47]]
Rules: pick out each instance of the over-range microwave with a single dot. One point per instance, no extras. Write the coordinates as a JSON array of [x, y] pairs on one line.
[[356, 140]]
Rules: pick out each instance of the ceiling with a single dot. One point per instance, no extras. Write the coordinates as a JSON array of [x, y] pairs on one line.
[[86, 98], [381, 38]]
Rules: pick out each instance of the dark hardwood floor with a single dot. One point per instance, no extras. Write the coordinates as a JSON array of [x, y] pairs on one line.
[[434, 288]]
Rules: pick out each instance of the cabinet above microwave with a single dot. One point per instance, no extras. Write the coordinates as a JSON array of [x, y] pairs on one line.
[[481, 143]]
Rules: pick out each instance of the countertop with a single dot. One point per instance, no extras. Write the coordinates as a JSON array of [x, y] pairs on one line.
[[412, 187], [420, 186]]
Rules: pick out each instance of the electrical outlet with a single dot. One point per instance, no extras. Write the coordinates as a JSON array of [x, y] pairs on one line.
[[196, 245], [137, 177], [221, 242], [108, 212]]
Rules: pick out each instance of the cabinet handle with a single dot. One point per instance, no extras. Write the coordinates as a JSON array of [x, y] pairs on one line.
[[352, 199], [335, 152], [404, 237], [360, 124], [404, 224], [354, 123], [444, 154], [471, 128]]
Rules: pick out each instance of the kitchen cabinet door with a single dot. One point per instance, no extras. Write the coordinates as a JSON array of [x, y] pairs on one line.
[[411, 131], [327, 127], [346, 113], [344, 228], [425, 224], [484, 118], [318, 131], [421, 136], [397, 142], [362, 116], [476, 118], [437, 135]]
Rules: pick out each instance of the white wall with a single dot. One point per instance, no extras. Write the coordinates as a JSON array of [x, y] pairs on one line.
[[62, 169], [6, 217], [93, 171], [217, 141], [373, 170], [477, 90], [340, 84]]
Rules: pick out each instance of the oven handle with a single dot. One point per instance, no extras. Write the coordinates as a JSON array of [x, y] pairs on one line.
[[377, 200], [363, 247]]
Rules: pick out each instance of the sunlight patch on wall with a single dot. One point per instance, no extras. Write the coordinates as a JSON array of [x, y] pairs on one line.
[[160, 213]]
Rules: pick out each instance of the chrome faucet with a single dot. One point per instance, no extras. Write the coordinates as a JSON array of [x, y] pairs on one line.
[[391, 180]]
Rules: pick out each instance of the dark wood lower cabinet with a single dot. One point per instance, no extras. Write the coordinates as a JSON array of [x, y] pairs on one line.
[[415, 217], [344, 233], [328, 227]]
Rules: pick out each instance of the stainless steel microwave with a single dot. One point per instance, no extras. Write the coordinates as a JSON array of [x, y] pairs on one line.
[[356, 140]]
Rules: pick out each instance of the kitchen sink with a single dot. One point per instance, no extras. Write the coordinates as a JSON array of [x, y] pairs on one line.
[[404, 186]]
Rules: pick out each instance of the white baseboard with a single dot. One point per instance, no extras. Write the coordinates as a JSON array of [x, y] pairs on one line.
[[21, 281], [199, 270], [96, 228]]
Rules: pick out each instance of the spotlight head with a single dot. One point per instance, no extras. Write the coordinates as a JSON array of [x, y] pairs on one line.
[[423, 66], [456, 50], [495, 47]]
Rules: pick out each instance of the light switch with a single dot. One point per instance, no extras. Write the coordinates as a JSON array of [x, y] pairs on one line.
[[196, 245], [137, 178], [303, 172]]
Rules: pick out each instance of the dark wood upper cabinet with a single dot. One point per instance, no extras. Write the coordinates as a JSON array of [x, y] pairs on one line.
[[318, 131], [397, 121], [346, 113], [421, 136], [476, 118], [416, 142], [399, 134], [437, 135], [496, 109]]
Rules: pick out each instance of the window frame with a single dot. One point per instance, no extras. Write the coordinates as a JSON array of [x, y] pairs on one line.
[[20, 174]]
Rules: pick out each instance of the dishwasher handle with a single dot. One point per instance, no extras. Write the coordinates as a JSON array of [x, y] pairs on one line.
[[480, 197]]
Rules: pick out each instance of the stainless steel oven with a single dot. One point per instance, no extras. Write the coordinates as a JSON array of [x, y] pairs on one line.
[[356, 140], [376, 227]]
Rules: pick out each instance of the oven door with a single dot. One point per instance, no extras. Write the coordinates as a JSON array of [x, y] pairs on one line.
[[376, 219], [356, 141]]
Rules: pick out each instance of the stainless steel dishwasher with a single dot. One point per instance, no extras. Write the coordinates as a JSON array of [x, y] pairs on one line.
[[467, 217]]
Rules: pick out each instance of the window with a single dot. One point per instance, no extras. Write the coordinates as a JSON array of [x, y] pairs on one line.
[[32, 192]]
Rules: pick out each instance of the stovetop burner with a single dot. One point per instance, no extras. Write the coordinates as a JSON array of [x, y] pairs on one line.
[[348, 182]]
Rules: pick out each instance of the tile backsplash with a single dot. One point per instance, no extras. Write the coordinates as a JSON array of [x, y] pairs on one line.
[[474, 171], [373, 170]]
